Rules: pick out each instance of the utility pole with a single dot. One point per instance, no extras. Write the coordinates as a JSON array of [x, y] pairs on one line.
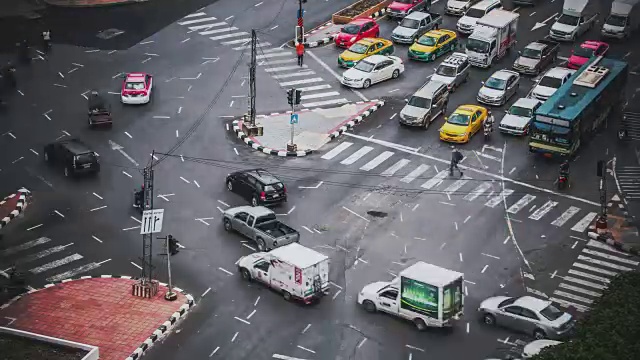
[[170, 295], [601, 222], [252, 79]]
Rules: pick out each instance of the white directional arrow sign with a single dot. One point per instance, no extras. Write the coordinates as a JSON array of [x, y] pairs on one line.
[[539, 25], [119, 148]]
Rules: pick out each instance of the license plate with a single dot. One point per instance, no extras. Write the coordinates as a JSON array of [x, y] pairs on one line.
[[275, 196], [86, 166]]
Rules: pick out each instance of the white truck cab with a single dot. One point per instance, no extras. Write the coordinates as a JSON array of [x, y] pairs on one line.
[[623, 19], [494, 34], [425, 294], [574, 21], [294, 270]]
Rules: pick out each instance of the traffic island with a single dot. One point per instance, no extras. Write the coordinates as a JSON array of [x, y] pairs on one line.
[[98, 311], [12, 206], [618, 228], [314, 128]]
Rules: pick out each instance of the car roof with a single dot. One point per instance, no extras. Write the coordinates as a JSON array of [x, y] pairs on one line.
[[536, 46], [298, 255], [432, 274], [532, 303], [429, 88], [369, 41], [591, 44], [136, 76], [526, 103], [467, 109], [503, 74], [416, 15], [75, 145], [359, 21], [374, 59], [558, 72], [441, 32], [262, 175]]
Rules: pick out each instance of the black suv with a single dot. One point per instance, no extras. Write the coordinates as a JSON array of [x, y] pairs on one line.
[[73, 155], [257, 185]]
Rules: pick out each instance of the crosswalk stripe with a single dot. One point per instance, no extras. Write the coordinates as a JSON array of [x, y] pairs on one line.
[[484, 186], [272, 50], [218, 31], [247, 47], [595, 269], [194, 15], [579, 290], [41, 254], [415, 173], [585, 283], [25, 246], [376, 161], [543, 210], [226, 36], [566, 304], [494, 201], [589, 276], [319, 95], [206, 26], [281, 61], [436, 180], [336, 150], [195, 21], [295, 74], [313, 88], [603, 263], [568, 214], [299, 82], [603, 246], [238, 41], [581, 225], [55, 264], [610, 257], [456, 185], [356, 155], [573, 297], [325, 102], [73, 272], [266, 56], [524, 201], [283, 68], [395, 167]]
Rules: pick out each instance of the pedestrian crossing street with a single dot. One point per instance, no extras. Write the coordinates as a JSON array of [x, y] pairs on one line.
[[279, 63], [436, 180], [590, 275], [41, 257]]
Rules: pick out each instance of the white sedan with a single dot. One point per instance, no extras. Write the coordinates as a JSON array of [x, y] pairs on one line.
[[371, 70]]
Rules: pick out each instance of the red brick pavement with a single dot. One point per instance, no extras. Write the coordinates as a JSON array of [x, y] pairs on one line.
[[99, 311], [8, 205]]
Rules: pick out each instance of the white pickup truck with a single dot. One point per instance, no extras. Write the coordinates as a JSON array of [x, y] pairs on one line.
[[574, 21]]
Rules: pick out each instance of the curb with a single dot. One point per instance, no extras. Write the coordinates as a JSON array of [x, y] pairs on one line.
[[283, 153], [20, 206], [378, 13], [605, 238]]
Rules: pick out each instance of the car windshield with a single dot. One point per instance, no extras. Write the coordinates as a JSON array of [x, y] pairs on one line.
[[520, 111], [551, 82], [351, 29], [427, 40], [419, 102], [551, 313], [410, 23], [444, 70], [506, 302], [475, 13], [459, 119], [496, 84], [85, 158], [531, 53], [130, 85], [358, 48], [583, 52], [616, 20], [478, 46], [568, 20], [364, 66]]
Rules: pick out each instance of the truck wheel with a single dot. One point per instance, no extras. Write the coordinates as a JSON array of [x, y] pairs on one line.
[[432, 57], [229, 185], [227, 224], [369, 306], [261, 245], [489, 319], [420, 324], [245, 274], [286, 295]]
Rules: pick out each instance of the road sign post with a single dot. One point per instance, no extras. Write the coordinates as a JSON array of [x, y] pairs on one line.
[[152, 221]]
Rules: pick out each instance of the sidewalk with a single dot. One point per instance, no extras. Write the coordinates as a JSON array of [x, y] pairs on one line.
[[315, 128], [97, 311]]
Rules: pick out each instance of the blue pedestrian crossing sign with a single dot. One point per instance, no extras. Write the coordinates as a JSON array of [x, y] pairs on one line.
[[294, 119]]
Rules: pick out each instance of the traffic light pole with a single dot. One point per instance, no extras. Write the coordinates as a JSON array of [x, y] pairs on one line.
[[170, 295]]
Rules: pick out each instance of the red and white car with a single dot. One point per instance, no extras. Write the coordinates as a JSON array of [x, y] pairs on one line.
[[136, 88], [581, 54]]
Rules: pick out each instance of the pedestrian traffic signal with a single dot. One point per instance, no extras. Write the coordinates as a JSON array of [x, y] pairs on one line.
[[173, 245], [298, 96], [290, 96]]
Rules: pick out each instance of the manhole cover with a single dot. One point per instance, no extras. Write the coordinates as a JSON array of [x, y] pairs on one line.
[[109, 33], [378, 214]]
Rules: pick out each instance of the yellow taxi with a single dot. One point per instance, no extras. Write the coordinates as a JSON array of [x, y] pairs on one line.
[[433, 44], [363, 48], [463, 123]]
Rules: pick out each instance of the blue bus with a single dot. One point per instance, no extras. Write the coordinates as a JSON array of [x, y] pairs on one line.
[[577, 110]]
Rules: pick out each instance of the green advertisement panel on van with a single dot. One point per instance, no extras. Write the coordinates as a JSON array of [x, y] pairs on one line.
[[419, 297]]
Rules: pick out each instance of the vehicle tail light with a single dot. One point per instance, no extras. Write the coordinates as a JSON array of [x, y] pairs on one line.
[[263, 196], [284, 189]]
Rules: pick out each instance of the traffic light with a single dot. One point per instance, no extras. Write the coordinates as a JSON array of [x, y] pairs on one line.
[[290, 95], [173, 245], [298, 96]]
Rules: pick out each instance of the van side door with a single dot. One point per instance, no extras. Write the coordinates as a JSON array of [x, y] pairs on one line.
[[387, 301], [260, 271]]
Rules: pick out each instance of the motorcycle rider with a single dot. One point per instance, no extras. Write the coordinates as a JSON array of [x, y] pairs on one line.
[[46, 40], [564, 169], [488, 123]]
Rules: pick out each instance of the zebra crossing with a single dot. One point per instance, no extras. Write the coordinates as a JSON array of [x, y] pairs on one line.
[[590, 275], [42, 257], [279, 63], [629, 179], [429, 177]]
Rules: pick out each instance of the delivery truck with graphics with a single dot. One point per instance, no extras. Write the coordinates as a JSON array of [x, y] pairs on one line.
[[493, 36], [425, 294]]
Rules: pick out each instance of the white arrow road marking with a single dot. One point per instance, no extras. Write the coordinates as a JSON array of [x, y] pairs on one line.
[[539, 25], [119, 148]]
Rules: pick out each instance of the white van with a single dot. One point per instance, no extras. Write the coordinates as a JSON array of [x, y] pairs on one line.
[[467, 23], [294, 270]]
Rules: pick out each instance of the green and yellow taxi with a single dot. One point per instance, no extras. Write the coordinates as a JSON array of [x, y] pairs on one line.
[[433, 44], [463, 123], [364, 48]]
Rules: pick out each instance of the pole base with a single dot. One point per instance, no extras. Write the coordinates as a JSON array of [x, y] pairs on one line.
[[601, 224], [292, 147], [170, 296]]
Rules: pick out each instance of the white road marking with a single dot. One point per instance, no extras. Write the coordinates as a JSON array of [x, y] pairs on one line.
[[300, 82], [356, 214], [305, 349], [306, 228], [579, 290], [585, 283], [225, 271], [595, 269], [543, 210], [131, 228], [524, 201], [414, 348], [319, 95], [376, 161], [355, 156], [56, 263], [484, 186], [610, 257], [34, 227], [456, 185], [589, 276], [336, 285], [185, 180], [566, 304], [436, 180], [98, 208], [568, 214], [314, 87], [338, 292], [214, 351], [58, 213], [599, 245], [96, 239], [415, 173], [460, 255], [136, 220], [582, 225], [295, 74], [226, 36], [395, 167], [306, 328], [325, 102], [242, 320], [484, 269], [491, 256], [188, 22], [126, 173], [572, 297], [603, 263]]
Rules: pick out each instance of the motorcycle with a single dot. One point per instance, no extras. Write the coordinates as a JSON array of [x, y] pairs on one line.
[[488, 129], [563, 180]]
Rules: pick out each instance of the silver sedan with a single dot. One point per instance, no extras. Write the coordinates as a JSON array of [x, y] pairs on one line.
[[527, 314], [499, 88]]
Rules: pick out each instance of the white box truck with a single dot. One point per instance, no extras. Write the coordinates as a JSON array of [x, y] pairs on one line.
[[576, 19], [495, 33], [296, 271], [623, 19], [425, 294]]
